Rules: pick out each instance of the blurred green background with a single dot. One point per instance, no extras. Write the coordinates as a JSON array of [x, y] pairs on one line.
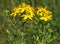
[[53, 5]]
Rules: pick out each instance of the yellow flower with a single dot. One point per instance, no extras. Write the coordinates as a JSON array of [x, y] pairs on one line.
[[16, 10], [8, 31], [44, 13], [46, 17], [29, 12], [23, 5], [28, 15], [41, 10]]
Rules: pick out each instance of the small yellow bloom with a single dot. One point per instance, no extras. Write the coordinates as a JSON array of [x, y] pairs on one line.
[[46, 17], [16, 10], [28, 15], [6, 11], [8, 31], [23, 5], [25, 17]]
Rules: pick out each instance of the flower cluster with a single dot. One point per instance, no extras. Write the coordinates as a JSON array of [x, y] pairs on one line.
[[27, 12], [44, 13]]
